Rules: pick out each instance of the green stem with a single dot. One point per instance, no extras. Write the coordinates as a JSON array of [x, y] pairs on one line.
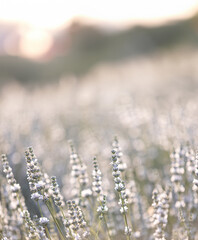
[[39, 207], [47, 232], [126, 224], [105, 221], [57, 224], [96, 235]]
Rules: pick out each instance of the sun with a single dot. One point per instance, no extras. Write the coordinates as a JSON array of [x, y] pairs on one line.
[[35, 43]]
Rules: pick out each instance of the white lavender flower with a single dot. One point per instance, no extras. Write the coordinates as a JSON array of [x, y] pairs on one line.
[[102, 209], [86, 193], [33, 232], [15, 187], [58, 198], [160, 216], [177, 172], [96, 173], [43, 221], [122, 165], [119, 183], [195, 181], [35, 176], [76, 221]]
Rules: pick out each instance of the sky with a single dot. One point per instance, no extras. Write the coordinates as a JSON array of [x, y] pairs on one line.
[[50, 14], [43, 16]]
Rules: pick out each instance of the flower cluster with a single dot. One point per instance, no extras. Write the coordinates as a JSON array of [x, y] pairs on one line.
[[75, 171], [79, 178], [195, 181], [96, 173], [102, 209], [177, 172], [160, 216], [15, 187], [117, 148], [34, 176], [76, 221], [119, 183], [10, 213], [18, 201], [58, 198], [120, 188], [190, 163], [30, 226], [41, 224]]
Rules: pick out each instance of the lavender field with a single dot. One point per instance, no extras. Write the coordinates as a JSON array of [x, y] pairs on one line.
[[110, 155]]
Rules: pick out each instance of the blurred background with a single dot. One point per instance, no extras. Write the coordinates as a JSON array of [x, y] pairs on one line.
[[43, 41]]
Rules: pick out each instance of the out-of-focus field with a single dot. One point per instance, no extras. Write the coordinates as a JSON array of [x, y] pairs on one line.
[[147, 102], [150, 103]]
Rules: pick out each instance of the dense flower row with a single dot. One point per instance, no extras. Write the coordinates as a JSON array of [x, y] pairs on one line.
[[95, 210]]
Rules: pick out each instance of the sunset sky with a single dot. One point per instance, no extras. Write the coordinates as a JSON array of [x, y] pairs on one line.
[[54, 13], [43, 16]]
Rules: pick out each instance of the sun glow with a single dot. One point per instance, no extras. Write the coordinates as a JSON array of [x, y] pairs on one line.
[[40, 42], [48, 15]]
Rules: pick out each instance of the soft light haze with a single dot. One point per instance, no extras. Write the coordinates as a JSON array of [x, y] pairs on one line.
[[51, 14], [38, 18]]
